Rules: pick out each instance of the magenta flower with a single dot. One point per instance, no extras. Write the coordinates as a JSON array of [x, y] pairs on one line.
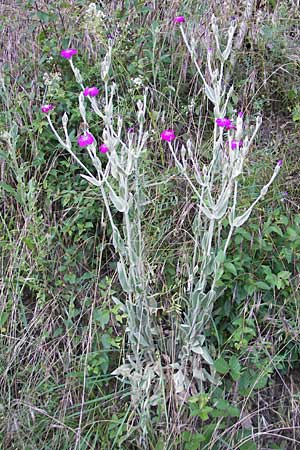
[[103, 148], [223, 122], [236, 144], [240, 114], [230, 127], [168, 135], [91, 91], [280, 162], [68, 53], [85, 139], [47, 108], [179, 19]]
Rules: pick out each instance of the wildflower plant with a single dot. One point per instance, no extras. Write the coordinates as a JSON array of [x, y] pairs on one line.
[[121, 189], [216, 188], [120, 183]]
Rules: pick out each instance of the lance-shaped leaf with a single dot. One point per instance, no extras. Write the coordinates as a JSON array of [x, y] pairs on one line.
[[210, 93], [82, 107], [91, 180], [203, 352], [228, 48], [123, 278], [221, 209], [199, 299], [140, 339], [178, 378], [118, 242], [207, 212], [118, 202]]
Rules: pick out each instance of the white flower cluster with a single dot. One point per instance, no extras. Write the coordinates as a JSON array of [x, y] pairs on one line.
[[94, 18], [137, 81], [51, 82], [93, 11], [51, 78]]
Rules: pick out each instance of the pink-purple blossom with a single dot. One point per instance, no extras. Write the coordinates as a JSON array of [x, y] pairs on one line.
[[223, 122], [47, 108], [91, 91], [168, 135], [279, 162], [85, 139], [236, 144], [103, 148], [179, 19], [68, 53], [240, 114], [230, 127]]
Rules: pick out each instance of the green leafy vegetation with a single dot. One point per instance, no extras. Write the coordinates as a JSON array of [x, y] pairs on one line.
[[63, 325]]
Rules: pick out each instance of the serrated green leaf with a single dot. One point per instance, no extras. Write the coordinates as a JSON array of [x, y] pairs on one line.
[[202, 413], [275, 229], [284, 275], [233, 411], [230, 267], [221, 366], [234, 364], [10, 190], [262, 285], [221, 257], [102, 317]]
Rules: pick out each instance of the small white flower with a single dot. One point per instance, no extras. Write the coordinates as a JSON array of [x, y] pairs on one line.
[[137, 81]]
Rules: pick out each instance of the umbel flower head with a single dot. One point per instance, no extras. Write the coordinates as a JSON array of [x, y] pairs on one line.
[[85, 139], [68, 53], [168, 135], [179, 19], [47, 108], [91, 91], [103, 148]]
